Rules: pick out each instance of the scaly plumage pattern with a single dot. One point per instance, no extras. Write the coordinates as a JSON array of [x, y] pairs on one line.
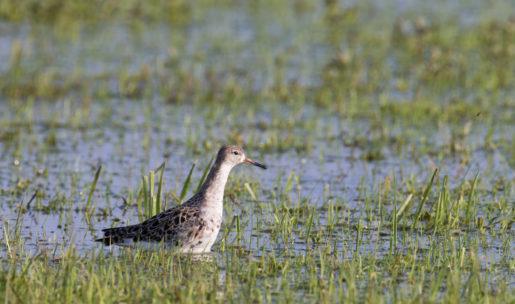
[[192, 226]]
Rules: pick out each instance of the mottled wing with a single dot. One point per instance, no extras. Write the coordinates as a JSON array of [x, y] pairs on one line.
[[176, 226]]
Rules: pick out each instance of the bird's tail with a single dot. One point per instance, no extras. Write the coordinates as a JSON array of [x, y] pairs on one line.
[[114, 235]]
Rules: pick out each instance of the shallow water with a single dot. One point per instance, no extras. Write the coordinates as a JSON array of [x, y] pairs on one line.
[[331, 169], [55, 146]]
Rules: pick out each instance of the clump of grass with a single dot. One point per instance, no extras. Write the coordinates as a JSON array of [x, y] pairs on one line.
[[151, 202]]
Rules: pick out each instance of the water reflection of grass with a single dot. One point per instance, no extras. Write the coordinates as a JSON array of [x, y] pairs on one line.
[[312, 81]]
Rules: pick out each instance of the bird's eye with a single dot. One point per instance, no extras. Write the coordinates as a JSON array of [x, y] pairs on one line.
[[235, 153]]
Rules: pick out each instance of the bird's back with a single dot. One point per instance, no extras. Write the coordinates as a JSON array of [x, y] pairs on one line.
[[185, 227]]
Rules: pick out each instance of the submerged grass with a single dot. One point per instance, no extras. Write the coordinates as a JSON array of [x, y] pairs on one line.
[[150, 202]]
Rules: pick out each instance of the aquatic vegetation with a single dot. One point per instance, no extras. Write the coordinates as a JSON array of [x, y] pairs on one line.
[[388, 129]]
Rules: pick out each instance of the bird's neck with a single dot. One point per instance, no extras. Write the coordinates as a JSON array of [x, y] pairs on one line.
[[212, 191]]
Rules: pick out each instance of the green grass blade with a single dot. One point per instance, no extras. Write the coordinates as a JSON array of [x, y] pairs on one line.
[[289, 183], [161, 167], [160, 187], [393, 235], [186, 184], [249, 190], [152, 199], [140, 201], [468, 214], [424, 199], [204, 174], [404, 206], [92, 188], [6, 239], [144, 183]]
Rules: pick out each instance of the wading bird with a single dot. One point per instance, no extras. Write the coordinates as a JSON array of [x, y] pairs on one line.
[[193, 226]]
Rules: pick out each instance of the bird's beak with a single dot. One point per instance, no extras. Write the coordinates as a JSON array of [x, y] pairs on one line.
[[255, 163]]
